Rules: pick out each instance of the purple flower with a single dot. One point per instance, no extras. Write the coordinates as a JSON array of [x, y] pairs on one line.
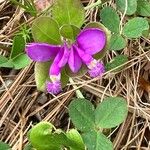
[[88, 43]]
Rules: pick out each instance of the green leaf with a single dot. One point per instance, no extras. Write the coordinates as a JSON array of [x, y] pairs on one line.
[[110, 19], [117, 42], [4, 62], [4, 146], [116, 62], [146, 33], [41, 74], [45, 29], [21, 61], [95, 140], [102, 53], [131, 6], [111, 112], [75, 140], [18, 46], [68, 12], [134, 27], [143, 8], [69, 31], [81, 112], [42, 138], [41, 78]]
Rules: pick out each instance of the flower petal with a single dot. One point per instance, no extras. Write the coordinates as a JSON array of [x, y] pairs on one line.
[[86, 58], [74, 60], [91, 40], [41, 52], [96, 69], [63, 56], [54, 88], [59, 61]]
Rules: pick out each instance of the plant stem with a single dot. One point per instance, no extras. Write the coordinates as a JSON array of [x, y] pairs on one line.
[[78, 92], [93, 5]]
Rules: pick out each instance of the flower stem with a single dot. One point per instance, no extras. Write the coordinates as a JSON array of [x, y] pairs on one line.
[[93, 5], [78, 92]]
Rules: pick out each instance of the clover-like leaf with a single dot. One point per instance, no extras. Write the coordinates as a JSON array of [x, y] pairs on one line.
[[110, 19], [41, 74], [102, 53], [45, 29], [81, 112], [143, 8], [75, 140], [117, 42], [116, 62], [111, 112], [68, 12], [4, 146], [130, 7], [134, 27], [69, 31], [94, 140]]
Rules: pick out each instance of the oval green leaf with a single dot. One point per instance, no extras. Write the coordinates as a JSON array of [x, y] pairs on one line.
[[111, 112], [81, 112], [134, 27], [143, 8], [18, 46], [117, 42], [116, 62], [41, 137], [41, 71], [110, 19], [131, 6], [95, 140], [68, 12], [75, 140], [45, 29], [69, 31]]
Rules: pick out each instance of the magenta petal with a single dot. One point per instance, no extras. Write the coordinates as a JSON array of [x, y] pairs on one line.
[[74, 60], [97, 70], [54, 88], [59, 61], [86, 58], [63, 56], [41, 52], [91, 40], [54, 69]]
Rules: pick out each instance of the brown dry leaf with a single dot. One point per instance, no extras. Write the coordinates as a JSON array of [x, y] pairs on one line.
[[145, 85]]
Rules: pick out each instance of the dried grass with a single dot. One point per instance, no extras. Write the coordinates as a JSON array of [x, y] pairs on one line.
[[21, 105]]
